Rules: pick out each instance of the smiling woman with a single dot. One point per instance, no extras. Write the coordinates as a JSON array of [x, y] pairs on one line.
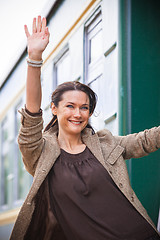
[[80, 177], [72, 115], [70, 86]]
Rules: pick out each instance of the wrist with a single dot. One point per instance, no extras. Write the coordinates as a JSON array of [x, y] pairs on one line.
[[37, 56], [34, 63]]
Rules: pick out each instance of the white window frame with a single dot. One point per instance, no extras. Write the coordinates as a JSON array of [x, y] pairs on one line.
[[92, 69]]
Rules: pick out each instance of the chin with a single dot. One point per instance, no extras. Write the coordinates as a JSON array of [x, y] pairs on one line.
[[76, 131]]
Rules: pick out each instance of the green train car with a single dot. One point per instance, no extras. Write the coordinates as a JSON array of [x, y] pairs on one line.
[[140, 97]]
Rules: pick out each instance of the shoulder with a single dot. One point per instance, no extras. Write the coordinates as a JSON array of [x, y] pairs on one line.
[[50, 136], [102, 135], [106, 137], [104, 132]]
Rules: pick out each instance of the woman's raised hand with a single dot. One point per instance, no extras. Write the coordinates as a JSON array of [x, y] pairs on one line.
[[38, 40]]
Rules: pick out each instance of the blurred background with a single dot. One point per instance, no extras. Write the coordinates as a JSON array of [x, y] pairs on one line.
[[111, 45]]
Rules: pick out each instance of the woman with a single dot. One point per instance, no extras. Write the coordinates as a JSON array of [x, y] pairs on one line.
[[81, 188]]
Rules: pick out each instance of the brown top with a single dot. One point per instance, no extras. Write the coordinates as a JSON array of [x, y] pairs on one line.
[[87, 203]]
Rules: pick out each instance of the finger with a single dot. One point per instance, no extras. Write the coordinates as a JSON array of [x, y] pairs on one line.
[[26, 31], [39, 24], [46, 35], [43, 24], [34, 28], [46, 31]]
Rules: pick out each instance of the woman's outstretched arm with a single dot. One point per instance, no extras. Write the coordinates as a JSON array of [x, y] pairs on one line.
[[140, 144], [36, 42]]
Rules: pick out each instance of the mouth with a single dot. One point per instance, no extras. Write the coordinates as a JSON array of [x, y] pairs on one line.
[[75, 122]]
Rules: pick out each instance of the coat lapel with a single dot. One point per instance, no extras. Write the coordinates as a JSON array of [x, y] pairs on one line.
[[50, 153], [92, 142]]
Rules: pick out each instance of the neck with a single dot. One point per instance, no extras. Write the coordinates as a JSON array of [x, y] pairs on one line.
[[69, 142]]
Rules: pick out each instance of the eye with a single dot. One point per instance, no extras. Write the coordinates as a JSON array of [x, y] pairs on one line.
[[69, 106], [85, 108]]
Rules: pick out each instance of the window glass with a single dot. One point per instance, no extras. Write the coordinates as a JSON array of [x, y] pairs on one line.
[[97, 119], [6, 173], [63, 69], [4, 164], [95, 46]]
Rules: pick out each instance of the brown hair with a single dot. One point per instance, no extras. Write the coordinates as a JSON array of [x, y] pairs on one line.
[[71, 86]]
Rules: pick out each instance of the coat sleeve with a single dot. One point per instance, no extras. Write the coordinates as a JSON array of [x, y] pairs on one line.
[[30, 139], [140, 144]]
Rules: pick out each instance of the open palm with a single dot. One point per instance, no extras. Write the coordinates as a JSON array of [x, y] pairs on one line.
[[39, 39]]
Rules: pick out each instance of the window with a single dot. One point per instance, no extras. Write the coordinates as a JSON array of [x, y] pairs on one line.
[[94, 64], [101, 72], [94, 34], [62, 67], [4, 163]]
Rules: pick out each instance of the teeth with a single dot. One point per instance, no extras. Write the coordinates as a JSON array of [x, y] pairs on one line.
[[75, 122]]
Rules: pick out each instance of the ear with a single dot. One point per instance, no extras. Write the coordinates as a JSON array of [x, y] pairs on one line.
[[54, 109]]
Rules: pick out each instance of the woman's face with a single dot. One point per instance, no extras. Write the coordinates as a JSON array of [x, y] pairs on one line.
[[72, 112]]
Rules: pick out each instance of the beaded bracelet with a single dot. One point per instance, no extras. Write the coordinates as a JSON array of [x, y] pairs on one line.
[[34, 63]]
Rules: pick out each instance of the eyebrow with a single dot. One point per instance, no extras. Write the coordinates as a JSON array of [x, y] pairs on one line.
[[82, 104]]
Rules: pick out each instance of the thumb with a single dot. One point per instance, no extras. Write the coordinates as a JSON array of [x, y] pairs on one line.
[[26, 31]]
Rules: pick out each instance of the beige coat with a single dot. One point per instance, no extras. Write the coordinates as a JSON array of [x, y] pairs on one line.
[[40, 151]]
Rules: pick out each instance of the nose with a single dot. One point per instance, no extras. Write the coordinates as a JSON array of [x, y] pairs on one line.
[[77, 112]]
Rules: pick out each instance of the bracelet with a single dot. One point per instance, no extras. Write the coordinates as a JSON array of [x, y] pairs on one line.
[[34, 63]]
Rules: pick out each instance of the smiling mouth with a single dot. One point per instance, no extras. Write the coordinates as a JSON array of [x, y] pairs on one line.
[[75, 122]]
